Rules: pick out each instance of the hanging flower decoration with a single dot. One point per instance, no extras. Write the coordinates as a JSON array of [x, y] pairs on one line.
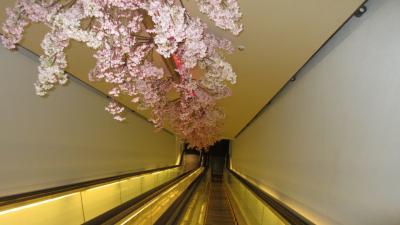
[[125, 34]]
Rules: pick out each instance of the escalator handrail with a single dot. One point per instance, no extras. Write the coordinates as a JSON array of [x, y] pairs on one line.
[[11, 199], [175, 212], [291, 216], [120, 212]]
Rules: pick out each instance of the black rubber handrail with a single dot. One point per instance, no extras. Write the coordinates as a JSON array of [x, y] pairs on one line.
[[120, 212], [291, 216], [175, 212], [56, 190]]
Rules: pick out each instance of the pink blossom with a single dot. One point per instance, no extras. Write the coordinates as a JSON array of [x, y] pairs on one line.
[[225, 13], [124, 47], [116, 110]]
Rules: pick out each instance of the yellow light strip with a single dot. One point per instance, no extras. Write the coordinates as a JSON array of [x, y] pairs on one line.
[[123, 180], [102, 186], [34, 204]]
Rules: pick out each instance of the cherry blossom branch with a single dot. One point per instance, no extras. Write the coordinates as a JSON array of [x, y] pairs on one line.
[[125, 35]]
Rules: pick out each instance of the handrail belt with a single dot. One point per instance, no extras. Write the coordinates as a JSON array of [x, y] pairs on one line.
[[118, 213], [174, 213]]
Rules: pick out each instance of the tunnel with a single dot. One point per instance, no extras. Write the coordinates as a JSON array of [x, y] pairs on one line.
[[199, 112]]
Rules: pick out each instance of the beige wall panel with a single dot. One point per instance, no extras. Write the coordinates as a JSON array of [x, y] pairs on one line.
[[67, 137], [329, 144]]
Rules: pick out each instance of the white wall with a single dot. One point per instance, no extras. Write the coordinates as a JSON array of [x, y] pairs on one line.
[[329, 145], [67, 137]]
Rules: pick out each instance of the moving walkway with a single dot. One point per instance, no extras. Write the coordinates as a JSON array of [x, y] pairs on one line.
[[165, 196]]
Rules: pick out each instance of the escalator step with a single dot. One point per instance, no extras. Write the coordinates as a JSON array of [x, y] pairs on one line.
[[219, 211]]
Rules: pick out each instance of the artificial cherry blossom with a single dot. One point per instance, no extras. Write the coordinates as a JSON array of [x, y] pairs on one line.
[[125, 34]]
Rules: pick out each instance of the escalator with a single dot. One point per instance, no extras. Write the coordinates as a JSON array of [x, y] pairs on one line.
[[90, 202], [208, 194], [233, 200], [203, 199], [224, 197], [219, 210]]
